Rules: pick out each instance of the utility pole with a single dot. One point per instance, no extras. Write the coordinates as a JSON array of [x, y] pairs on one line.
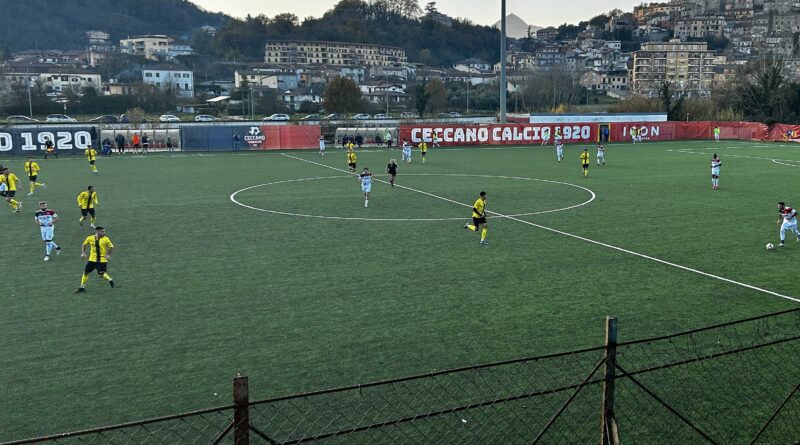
[[468, 82], [503, 85], [28, 79]]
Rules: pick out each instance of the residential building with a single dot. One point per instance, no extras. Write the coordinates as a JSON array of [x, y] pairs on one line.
[[549, 34], [472, 66], [152, 47], [605, 80], [54, 80], [333, 53], [687, 65], [699, 27], [180, 81]]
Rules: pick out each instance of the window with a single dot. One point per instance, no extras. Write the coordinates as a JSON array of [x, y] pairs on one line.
[[158, 74]]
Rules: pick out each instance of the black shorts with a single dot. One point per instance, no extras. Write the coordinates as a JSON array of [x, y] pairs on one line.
[[478, 221], [93, 265], [91, 162], [424, 153], [351, 164], [33, 178], [9, 193], [85, 212], [585, 166]]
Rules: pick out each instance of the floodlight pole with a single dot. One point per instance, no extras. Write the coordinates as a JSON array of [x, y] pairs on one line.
[[503, 84]]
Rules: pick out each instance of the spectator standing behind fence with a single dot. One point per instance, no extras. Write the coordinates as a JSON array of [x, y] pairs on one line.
[[106, 150], [93, 135], [236, 141], [137, 143], [359, 140], [120, 140], [145, 144], [388, 138], [169, 145]]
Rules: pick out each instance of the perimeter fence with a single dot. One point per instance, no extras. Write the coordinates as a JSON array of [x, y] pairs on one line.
[[731, 383]]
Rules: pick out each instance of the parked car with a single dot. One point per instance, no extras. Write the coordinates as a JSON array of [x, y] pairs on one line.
[[169, 118], [409, 115], [105, 119], [124, 119], [310, 117], [454, 114], [60, 118], [381, 116], [20, 118], [361, 116], [334, 116], [277, 117], [205, 118]]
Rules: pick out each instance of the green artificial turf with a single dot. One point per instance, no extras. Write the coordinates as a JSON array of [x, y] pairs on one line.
[[207, 288]]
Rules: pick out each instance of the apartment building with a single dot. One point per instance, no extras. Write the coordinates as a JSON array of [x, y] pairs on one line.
[[699, 27], [333, 53], [688, 66], [181, 82]]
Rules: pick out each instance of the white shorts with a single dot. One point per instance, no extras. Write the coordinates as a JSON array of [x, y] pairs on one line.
[[366, 188], [715, 172], [601, 155], [789, 225], [47, 233], [322, 145], [560, 150]]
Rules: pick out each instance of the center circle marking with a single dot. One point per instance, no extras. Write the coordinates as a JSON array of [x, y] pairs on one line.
[[592, 197]]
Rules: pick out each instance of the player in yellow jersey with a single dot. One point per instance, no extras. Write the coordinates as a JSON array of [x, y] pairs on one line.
[[99, 253], [423, 150], [87, 201], [10, 182], [585, 161], [91, 155], [32, 170], [349, 145], [351, 160], [479, 218]]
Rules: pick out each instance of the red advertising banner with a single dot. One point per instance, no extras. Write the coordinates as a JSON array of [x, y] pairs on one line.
[[784, 133], [282, 137], [498, 134]]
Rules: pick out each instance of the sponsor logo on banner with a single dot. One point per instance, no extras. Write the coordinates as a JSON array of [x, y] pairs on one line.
[[255, 138]]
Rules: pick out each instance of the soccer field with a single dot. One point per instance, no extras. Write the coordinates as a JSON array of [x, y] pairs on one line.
[[294, 283]]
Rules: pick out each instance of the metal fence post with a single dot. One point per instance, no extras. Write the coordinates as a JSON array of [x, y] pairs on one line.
[[241, 413], [608, 423]]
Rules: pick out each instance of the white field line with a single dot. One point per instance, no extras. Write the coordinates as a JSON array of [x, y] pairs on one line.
[[690, 152], [578, 237], [783, 163]]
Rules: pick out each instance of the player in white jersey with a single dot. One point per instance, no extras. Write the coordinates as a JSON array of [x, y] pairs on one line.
[[435, 140], [559, 150], [787, 220], [406, 152], [545, 135], [633, 134], [601, 153], [365, 178], [639, 135], [716, 163], [46, 219], [322, 145]]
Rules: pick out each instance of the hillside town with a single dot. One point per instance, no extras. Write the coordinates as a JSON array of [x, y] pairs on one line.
[[695, 45]]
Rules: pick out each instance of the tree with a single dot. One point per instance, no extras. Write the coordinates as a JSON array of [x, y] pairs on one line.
[[430, 8], [762, 90], [436, 95], [342, 95], [420, 98]]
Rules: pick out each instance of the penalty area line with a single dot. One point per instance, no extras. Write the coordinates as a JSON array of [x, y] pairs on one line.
[[578, 237]]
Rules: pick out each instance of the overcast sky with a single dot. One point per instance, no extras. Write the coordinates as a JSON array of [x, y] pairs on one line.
[[485, 12]]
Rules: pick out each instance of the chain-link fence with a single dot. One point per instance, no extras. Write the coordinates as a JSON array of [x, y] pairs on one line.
[[731, 383]]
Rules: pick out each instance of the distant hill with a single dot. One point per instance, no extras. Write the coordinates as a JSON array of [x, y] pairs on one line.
[[62, 24], [516, 27]]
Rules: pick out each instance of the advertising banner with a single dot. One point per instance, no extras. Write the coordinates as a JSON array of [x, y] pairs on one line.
[[497, 134], [32, 139], [250, 137]]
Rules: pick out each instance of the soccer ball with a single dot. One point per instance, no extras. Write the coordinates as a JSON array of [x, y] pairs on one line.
[[770, 246]]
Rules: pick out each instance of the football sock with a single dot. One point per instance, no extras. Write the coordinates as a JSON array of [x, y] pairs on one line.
[[423, 160], [106, 276], [471, 227], [84, 279], [94, 168], [94, 219], [33, 185], [585, 172], [483, 234], [54, 245], [14, 204], [48, 248]]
